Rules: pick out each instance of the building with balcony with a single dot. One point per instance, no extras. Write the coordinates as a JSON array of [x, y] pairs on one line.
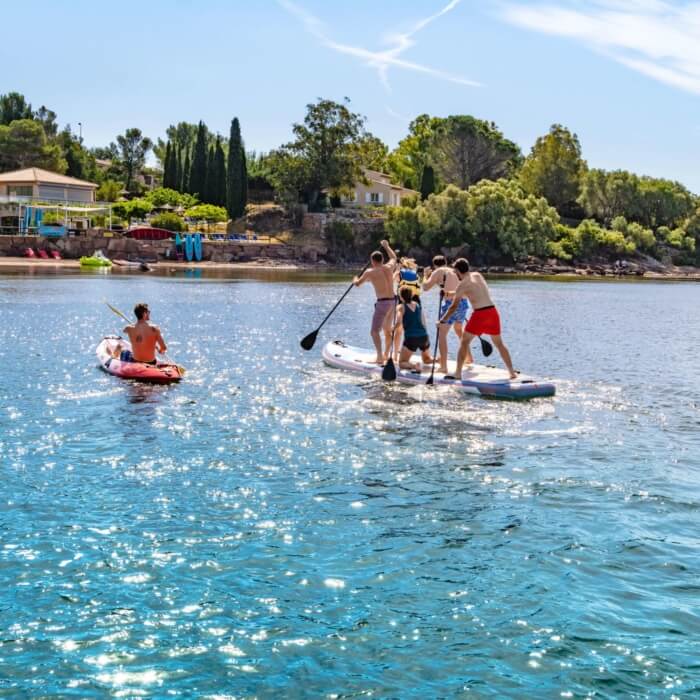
[[36, 184]]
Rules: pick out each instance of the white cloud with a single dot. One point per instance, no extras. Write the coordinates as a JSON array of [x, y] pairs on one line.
[[656, 38], [381, 61]]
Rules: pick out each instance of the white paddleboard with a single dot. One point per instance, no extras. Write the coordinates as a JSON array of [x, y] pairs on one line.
[[482, 380]]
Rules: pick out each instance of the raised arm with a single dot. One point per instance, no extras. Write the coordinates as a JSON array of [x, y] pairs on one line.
[[433, 279], [389, 251], [160, 343]]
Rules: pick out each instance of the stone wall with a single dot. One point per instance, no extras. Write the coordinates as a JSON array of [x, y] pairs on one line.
[[73, 247]]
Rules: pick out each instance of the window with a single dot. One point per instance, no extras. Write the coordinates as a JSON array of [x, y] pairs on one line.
[[374, 197], [20, 190]]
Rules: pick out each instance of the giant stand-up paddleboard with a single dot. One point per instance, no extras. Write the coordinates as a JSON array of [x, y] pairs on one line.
[[189, 247], [488, 381], [197, 246], [109, 352]]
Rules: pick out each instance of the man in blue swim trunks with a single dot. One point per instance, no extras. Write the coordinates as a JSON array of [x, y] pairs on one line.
[[448, 280]]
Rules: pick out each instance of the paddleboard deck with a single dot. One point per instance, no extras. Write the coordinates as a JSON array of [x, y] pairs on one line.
[[488, 381]]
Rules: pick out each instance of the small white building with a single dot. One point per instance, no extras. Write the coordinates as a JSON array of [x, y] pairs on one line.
[[377, 190], [36, 184]]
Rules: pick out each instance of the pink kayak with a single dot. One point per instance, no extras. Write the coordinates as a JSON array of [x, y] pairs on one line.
[[109, 352]]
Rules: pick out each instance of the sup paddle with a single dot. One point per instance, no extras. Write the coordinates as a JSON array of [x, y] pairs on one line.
[[389, 371], [486, 347], [437, 337], [181, 369], [308, 341]]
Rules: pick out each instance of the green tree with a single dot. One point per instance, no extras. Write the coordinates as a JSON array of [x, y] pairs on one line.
[[210, 179], [219, 176], [408, 160], [554, 168], [167, 167], [236, 194], [198, 170], [322, 155], [466, 150], [663, 202], [207, 212], [133, 148], [108, 191], [177, 185], [134, 209], [47, 118], [23, 144], [14, 107], [427, 182], [372, 152], [185, 184], [161, 196], [605, 195]]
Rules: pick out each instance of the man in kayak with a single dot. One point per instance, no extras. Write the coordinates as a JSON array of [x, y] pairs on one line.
[[484, 318], [447, 278], [145, 337], [381, 275]]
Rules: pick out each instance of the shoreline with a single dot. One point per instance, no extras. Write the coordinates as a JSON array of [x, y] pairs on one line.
[[19, 263]]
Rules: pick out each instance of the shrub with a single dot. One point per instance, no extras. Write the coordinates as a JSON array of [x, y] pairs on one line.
[[168, 221]]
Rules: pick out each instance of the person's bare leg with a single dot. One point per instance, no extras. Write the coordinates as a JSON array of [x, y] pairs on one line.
[[463, 353], [459, 330], [377, 340], [405, 359], [443, 330], [398, 333], [505, 355], [388, 324]]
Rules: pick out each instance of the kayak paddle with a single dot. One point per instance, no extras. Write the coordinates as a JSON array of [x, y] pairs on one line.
[[180, 368], [308, 341]]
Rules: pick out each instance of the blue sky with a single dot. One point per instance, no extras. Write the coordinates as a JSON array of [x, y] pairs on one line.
[[623, 74]]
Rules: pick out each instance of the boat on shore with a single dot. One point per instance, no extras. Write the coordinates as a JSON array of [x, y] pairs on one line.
[[482, 380]]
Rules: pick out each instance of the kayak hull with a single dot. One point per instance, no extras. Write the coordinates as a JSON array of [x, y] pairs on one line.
[[90, 261], [480, 380], [162, 373]]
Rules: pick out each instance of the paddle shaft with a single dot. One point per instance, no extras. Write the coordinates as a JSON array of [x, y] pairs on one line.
[[437, 338], [337, 304]]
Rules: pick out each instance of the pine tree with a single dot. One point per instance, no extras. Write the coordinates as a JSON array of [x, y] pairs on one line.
[[210, 179], [219, 175], [198, 171], [244, 177], [185, 186], [236, 190], [427, 182]]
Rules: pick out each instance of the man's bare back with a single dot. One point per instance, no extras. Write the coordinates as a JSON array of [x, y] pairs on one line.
[[145, 337], [473, 286], [382, 279]]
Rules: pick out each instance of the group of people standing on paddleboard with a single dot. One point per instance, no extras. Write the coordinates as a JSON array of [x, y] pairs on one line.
[[398, 307]]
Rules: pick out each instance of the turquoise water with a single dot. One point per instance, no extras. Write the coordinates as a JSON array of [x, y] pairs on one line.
[[275, 528]]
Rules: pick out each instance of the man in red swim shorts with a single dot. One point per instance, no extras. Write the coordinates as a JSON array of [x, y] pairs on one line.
[[484, 319]]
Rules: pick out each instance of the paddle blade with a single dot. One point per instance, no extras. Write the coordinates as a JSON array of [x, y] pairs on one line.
[[430, 380], [389, 371], [308, 342], [486, 347]]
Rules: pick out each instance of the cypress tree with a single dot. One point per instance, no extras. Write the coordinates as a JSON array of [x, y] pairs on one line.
[[210, 180], [198, 171], [219, 175], [177, 184], [166, 166], [427, 182], [244, 177], [235, 195], [185, 186]]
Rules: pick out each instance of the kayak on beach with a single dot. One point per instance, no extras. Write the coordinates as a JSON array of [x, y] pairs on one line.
[[133, 264], [112, 348], [98, 259], [488, 381]]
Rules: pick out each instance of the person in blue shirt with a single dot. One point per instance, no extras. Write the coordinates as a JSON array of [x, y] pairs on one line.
[[409, 314]]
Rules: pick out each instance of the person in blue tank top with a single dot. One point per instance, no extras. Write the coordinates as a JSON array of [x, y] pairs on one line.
[[415, 333]]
